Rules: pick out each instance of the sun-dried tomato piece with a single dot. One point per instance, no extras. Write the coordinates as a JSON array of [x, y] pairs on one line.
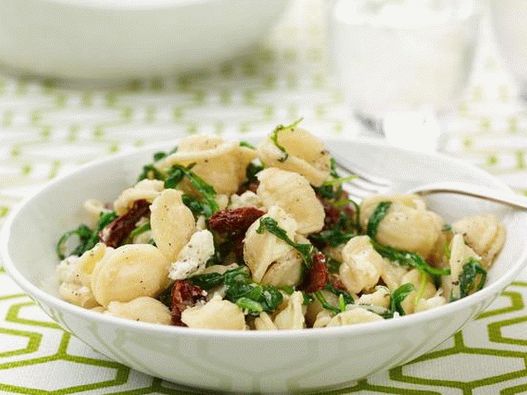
[[332, 213], [235, 221], [318, 275], [184, 294], [120, 228]]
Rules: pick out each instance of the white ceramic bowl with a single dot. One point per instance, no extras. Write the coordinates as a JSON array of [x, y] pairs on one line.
[[510, 29], [254, 361], [119, 39]]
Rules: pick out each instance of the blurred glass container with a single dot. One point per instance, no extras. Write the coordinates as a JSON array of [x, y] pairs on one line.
[[510, 27], [402, 55]]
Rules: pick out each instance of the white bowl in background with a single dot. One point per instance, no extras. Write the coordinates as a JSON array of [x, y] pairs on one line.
[[291, 360], [121, 39], [510, 30]]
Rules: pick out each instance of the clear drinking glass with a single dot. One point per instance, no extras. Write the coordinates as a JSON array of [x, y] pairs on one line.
[[401, 63], [510, 28]]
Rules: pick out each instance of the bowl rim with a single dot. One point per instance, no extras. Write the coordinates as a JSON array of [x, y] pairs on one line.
[[47, 299]]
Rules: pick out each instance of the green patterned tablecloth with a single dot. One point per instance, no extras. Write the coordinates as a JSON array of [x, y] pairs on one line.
[[47, 129]]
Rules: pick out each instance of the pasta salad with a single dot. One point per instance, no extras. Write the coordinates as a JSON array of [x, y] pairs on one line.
[[224, 235]]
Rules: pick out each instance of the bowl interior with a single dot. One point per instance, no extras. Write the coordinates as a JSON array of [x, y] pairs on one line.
[[58, 207]]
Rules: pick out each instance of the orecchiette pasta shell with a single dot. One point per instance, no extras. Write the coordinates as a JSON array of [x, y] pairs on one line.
[[292, 316], [88, 260], [77, 294], [75, 276], [306, 155], [362, 265], [415, 277], [144, 309], [286, 271], [292, 192], [221, 164], [261, 250], [215, 314], [484, 234], [354, 316], [407, 225], [246, 199], [369, 204], [460, 253], [129, 272], [144, 190], [264, 323], [430, 303], [314, 308], [381, 298], [392, 274], [322, 319], [172, 223]]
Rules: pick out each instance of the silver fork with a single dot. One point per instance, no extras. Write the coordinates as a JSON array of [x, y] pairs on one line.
[[365, 184]]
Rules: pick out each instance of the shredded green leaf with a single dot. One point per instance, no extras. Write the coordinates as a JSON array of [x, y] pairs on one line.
[[140, 230], [375, 219], [398, 296], [270, 225], [472, 278], [247, 145], [333, 265], [249, 305], [240, 289], [208, 205], [338, 181], [325, 304], [150, 171], [87, 237], [410, 259], [283, 128]]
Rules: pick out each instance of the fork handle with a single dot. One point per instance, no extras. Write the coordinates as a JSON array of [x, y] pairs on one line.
[[477, 191]]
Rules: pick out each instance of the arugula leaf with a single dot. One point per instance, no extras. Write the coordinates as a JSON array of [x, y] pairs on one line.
[[208, 205], [410, 259], [174, 177], [340, 293], [468, 279], [249, 305], [139, 230], [341, 233], [398, 296], [247, 145], [87, 237], [208, 280], [166, 297], [446, 228], [270, 225], [333, 265], [344, 299], [333, 237], [150, 171], [252, 170], [338, 180], [375, 219], [279, 129], [240, 289], [325, 304]]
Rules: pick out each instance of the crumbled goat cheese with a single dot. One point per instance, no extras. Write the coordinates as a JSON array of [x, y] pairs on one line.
[[193, 256]]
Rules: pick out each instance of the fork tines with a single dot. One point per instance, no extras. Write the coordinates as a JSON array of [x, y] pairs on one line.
[[364, 184]]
